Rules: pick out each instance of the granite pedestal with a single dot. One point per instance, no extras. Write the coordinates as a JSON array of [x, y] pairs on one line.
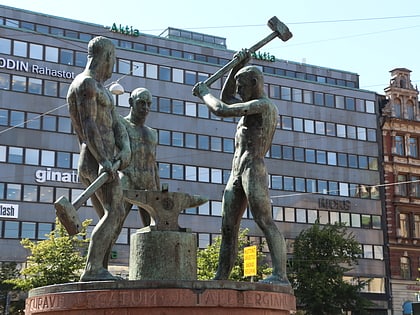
[[161, 297]]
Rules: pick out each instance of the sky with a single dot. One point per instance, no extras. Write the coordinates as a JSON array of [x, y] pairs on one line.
[[369, 37]]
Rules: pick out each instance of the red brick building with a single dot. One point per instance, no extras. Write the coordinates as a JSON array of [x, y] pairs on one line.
[[400, 121]]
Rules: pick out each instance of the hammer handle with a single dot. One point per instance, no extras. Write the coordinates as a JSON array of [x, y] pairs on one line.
[[90, 190], [235, 61]]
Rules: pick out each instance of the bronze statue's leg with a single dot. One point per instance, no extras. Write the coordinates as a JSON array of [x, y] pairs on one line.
[[233, 205], [255, 186]]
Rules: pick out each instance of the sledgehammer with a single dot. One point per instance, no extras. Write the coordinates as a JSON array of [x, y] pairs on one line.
[[279, 30], [67, 212]]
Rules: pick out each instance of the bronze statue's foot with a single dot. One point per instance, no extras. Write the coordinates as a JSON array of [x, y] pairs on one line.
[[100, 275], [276, 279]]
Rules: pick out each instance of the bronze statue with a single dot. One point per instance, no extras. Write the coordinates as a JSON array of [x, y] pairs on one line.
[[104, 147], [247, 184], [142, 173]]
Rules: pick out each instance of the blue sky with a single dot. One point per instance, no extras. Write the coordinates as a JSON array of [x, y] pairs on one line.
[[368, 37]]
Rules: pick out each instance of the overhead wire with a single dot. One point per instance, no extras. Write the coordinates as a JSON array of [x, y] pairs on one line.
[[169, 63]]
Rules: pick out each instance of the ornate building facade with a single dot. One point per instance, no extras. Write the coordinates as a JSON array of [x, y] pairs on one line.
[[400, 121]]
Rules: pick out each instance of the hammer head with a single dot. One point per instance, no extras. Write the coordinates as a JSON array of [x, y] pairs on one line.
[[280, 28], [67, 215]]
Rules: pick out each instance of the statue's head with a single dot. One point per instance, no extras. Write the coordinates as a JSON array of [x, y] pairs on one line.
[[250, 82], [101, 52], [140, 102]]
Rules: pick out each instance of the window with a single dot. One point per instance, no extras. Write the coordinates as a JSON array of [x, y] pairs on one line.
[[405, 268], [399, 145], [47, 158], [341, 131], [308, 97], [319, 98], [276, 182], [20, 49], [412, 147], [203, 142], [404, 225], [123, 66], [415, 186], [13, 192], [350, 103], [351, 132], [151, 71], [397, 108], [416, 226], [339, 101], [43, 229], [11, 229], [298, 124], [320, 127], [309, 126], [18, 83], [190, 173], [50, 88], [5, 46], [177, 75], [286, 122], [66, 57], [15, 155], [401, 189], [190, 78], [34, 86], [190, 109], [164, 73], [32, 156], [138, 69], [410, 111], [63, 159], [28, 230], [164, 170], [297, 95], [286, 93], [287, 153], [2, 154], [35, 51], [17, 119], [30, 193]]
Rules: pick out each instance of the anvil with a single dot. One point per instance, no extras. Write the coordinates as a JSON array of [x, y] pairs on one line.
[[163, 206]]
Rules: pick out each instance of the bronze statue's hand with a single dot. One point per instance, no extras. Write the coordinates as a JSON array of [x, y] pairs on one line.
[[108, 167], [243, 56], [124, 156], [200, 89]]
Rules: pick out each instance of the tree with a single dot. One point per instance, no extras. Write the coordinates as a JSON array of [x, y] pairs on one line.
[[8, 270], [57, 259], [321, 258], [208, 259]]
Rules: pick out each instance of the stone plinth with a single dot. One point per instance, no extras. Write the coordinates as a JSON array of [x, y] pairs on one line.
[[161, 297], [163, 255]]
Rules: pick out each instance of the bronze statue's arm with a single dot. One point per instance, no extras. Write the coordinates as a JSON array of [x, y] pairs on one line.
[[88, 110], [228, 93], [122, 141]]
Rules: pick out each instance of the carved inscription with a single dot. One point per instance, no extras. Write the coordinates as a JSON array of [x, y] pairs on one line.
[[117, 299], [247, 299]]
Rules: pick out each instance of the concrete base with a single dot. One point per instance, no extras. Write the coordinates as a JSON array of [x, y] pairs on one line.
[[161, 297], [163, 255]]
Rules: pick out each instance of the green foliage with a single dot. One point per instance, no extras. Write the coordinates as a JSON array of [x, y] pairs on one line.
[[321, 258], [8, 270], [208, 259], [57, 259]]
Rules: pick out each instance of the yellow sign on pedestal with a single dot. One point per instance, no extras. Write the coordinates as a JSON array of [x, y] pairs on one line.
[[250, 261]]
